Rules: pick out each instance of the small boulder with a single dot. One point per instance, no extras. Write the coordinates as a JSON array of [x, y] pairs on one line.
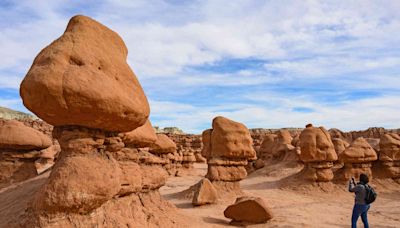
[[205, 193], [248, 210]]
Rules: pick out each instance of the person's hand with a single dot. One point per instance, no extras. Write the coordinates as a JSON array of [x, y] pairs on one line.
[[352, 179]]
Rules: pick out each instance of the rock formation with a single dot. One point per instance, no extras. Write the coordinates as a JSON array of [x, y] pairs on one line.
[[390, 155], [165, 148], [357, 159], [190, 148], [318, 154], [21, 148], [278, 146], [248, 210], [204, 193], [340, 145], [82, 84], [227, 147]]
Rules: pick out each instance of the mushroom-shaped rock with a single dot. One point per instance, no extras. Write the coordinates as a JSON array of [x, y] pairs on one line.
[[231, 139], [248, 210], [390, 154], [316, 145], [83, 79], [143, 136], [15, 135], [318, 152], [205, 193], [228, 148], [163, 145], [357, 159], [359, 151]]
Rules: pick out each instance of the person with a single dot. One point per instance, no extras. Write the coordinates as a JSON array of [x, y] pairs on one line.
[[360, 206]]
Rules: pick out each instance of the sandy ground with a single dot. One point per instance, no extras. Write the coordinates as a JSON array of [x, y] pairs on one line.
[[293, 206], [328, 205]]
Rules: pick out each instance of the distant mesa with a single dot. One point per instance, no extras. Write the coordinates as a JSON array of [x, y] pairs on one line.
[[9, 114]]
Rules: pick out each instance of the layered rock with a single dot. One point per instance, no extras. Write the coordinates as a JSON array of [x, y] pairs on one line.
[[190, 148], [248, 210], [82, 84], [390, 155], [21, 147], [357, 159], [227, 147], [318, 154], [165, 148], [278, 146]]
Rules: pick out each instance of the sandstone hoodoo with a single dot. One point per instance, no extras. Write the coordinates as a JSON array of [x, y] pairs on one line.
[[83, 79], [21, 148], [190, 147], [165, 148], [318, 154], [248, 210], [357, 159], [278, 146], [82, 84], [227, 147], [390, 154]]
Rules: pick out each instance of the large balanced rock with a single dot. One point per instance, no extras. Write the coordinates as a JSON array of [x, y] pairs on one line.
[[20, 147], [390, 154], [82, 84], [318, 153], [82, 78], [248, 210], [357, 159], [227, 147]]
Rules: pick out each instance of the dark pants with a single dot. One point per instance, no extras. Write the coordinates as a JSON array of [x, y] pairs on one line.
[[358, 210]]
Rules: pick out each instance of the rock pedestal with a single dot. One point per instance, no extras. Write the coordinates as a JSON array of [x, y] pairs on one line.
[[390, 155], [21, 148], [318, 154], [82, 84], [357, 159], [227, 147]]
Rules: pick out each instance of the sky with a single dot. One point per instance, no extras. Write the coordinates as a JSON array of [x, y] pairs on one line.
[[267, 64]]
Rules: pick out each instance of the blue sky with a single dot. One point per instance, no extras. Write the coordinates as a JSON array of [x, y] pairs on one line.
[[268, 64]]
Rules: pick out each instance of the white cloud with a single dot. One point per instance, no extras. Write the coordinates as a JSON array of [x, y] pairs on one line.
[[350, 45]]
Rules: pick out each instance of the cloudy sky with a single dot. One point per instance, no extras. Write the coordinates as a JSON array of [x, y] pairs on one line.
[[268, 64]]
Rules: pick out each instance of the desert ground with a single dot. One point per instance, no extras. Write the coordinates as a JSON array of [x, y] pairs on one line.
[[317, 205]]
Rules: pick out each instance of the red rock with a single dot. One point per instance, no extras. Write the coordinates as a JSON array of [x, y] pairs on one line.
[[248, 210], [163, 145], [205, 193], [83, 79], [143, 136], [15, 135]]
